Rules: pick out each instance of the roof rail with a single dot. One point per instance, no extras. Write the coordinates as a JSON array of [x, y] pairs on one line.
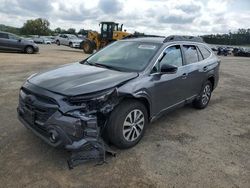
[[141, 35], [172, 38]]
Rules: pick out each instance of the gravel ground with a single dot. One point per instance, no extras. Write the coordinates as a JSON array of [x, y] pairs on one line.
[[185, 148]]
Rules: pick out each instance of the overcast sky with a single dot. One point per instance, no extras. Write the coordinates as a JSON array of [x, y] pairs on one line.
[[162, 17]]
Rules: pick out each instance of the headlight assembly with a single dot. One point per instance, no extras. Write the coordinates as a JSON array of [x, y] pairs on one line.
[[91, 98]]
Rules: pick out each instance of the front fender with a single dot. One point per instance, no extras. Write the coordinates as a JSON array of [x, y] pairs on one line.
[[141, 95]]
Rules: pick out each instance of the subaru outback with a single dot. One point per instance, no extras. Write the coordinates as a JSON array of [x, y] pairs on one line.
[[117, 91]]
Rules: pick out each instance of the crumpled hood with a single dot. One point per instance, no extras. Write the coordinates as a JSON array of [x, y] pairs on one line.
[[76, 79]]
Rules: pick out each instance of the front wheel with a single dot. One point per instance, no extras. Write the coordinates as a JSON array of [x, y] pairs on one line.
[[29, 50], [127, 124], [204, 97]]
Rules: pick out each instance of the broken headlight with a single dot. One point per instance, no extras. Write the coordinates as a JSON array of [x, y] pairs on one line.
[[94, 99]]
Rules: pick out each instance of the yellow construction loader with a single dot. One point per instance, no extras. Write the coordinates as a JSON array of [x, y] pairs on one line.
[[110, 31]]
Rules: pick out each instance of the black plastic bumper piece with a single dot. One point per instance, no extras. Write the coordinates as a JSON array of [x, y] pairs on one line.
[[38, 133], [92, 151], [91, 147]]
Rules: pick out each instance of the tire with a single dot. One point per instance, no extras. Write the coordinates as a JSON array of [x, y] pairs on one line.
[[88, 47], [71, 45], [29, 50], [58, 43], [203, 99], [120, 131]]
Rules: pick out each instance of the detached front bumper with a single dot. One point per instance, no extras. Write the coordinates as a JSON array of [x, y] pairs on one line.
[[62, 131], [57, 129]]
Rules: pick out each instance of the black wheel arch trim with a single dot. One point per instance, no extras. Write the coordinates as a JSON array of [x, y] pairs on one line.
[[142, 96], [28, 46]]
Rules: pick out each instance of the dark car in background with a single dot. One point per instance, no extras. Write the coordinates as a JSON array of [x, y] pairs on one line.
[[117, 91], [11, 42], [243, 52]]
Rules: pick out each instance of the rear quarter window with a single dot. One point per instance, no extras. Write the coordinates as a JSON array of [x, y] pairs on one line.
[[205, 52]]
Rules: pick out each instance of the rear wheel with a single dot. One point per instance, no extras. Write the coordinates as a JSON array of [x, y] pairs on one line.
[[204, 97], [71, 45], [29, 50], [58, 42], [127, 124], [88, 47]]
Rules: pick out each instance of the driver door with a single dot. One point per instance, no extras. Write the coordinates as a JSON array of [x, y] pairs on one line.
[[64, 39], [168, 89], [14, 42]]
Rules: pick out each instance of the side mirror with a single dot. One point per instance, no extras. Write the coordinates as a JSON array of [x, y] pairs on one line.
[[168, 69]]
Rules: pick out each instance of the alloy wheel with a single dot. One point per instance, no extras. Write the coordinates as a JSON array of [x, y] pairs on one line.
[[133, 125], [29, 50], [206, 94]]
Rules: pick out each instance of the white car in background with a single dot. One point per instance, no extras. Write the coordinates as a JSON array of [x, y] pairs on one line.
[[68, 40], [42, 40], [46, 40]]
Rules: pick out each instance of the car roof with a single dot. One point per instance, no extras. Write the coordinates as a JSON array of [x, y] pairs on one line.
[[5, 32], [169, 39], [146, 39]]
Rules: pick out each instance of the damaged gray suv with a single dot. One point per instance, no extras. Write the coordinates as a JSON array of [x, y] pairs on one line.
[[117, 91]]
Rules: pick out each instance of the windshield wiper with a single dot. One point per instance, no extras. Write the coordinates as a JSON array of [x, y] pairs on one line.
[[101, 65], [106, 66]]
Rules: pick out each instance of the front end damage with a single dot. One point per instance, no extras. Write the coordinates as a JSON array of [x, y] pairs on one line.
[[75, 123]]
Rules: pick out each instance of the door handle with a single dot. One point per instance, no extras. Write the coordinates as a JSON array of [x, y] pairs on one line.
[[205, 68], [184, 75]]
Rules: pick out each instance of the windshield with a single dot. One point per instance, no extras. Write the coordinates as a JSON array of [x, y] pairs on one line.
[[45, 38], [125, 55], [73, 37]]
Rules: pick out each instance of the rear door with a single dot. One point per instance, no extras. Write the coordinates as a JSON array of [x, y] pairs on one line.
[[66, 40], [192, 67], [63, 39]]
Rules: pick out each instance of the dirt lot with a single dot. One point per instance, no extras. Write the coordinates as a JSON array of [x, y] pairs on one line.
[[186, 148]]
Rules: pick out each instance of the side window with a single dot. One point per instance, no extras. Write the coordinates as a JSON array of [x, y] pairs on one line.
[[205, 52], [4, 35], [190, 53], [104, 27], [14, 37], [172, 56]]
